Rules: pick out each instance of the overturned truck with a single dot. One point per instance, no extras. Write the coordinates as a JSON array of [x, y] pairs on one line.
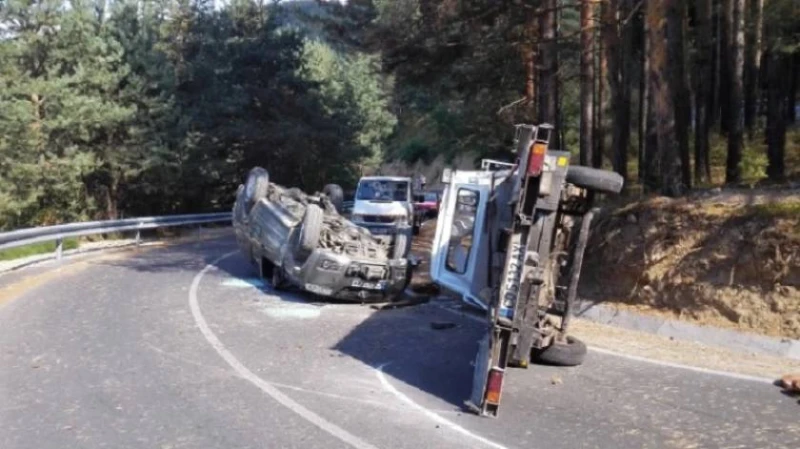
[[510, 240], [300, 240]]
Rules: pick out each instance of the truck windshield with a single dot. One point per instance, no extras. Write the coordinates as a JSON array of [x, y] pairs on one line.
[[382, 190]]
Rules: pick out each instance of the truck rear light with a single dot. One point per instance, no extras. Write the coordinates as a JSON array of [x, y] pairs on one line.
[[536, 158], [494, 385]]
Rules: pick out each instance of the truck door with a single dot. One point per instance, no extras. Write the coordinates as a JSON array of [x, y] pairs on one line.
[[458, 255]]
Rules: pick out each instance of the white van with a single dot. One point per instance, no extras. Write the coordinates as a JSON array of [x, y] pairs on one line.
[[384, 205]]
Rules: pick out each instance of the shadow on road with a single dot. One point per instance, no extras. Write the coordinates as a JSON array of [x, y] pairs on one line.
[[405, 343]]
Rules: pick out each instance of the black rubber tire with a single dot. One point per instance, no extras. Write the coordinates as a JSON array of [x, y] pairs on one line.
[[595, 179], [312, 226], [571, 353], [257, 185], [335, 195]]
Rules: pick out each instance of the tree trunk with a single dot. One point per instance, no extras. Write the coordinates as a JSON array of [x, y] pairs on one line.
[[792, 73], [548, 85], [644, 106], [602, 98], [587, 83], [676, 54], [733, 170], [716, 44], [529, 62], [704, 93], [726, 65], [667, 171], [776, 117], [752, 58], [619, 46]]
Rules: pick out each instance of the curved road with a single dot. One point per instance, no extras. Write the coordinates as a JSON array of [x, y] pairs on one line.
[[158, 349]]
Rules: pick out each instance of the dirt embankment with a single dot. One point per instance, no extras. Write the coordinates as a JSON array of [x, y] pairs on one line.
[[728, 259]]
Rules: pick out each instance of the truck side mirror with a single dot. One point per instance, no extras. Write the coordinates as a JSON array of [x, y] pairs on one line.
[[447, 176]]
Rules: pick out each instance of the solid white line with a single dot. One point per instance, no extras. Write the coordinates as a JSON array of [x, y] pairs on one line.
[[682, 366], [644, 359], [263, 385], [430, 414]]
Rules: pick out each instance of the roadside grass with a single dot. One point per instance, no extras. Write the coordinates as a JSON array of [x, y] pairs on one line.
[[789, 209], [35, 249]]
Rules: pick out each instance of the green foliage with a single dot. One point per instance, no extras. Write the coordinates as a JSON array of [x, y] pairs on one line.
[[36, 248], [133, 107]]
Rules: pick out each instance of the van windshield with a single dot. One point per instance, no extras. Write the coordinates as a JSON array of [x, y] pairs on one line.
[[382, 190]]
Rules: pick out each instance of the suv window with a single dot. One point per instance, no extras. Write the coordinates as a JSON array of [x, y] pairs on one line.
[[460, 247], [382, 190]]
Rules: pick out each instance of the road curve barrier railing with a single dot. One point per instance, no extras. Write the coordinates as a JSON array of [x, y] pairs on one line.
[[58, 233]]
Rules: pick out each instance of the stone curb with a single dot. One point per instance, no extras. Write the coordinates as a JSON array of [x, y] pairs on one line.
[[714, 336]]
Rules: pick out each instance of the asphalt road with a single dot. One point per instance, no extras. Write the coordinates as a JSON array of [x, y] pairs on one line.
[[155, 350]]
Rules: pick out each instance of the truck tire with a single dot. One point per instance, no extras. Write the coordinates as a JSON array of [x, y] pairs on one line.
[[570, 353], [312, 226], [400, 246], [256, 186], [335, 194], [595, 179]]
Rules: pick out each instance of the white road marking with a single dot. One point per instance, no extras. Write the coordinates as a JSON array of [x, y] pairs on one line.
[[433, 416], [686, 367], [248, 375], [641, 359]]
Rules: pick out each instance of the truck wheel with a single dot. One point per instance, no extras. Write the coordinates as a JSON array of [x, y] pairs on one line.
[[400, 246], [257, 185], [569, 353], [335, 195], [312, 226], [595, 179]]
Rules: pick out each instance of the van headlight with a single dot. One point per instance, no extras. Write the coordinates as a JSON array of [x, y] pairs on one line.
[[357, 217], [400, 218]]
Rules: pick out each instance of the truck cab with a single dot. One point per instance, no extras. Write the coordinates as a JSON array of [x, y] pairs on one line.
[[509, 241], [384, 206]]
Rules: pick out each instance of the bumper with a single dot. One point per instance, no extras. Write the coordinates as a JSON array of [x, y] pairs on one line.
[[378, 229], [341, 277]]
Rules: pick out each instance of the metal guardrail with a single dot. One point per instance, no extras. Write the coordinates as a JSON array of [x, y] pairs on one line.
[[58, 233]]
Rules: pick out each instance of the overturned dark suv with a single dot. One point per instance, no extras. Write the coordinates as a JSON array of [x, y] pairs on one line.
[[300, 240]]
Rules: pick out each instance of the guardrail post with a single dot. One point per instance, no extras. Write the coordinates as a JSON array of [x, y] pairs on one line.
[[139, 234], [59, 248]]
